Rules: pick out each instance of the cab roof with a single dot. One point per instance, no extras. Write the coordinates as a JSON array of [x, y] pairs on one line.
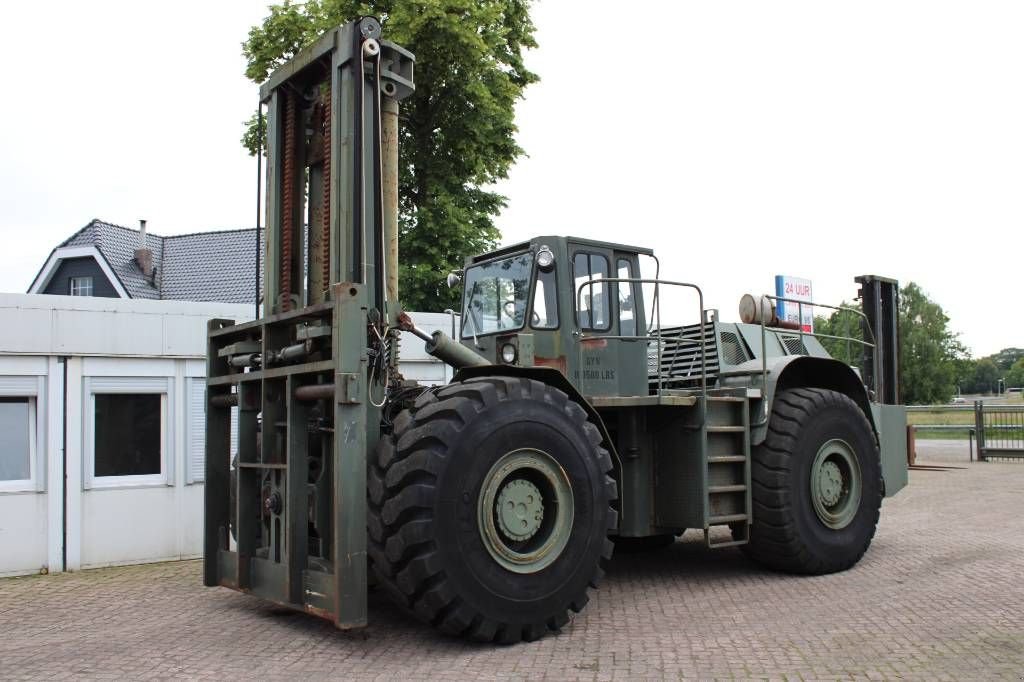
[[523, 246]]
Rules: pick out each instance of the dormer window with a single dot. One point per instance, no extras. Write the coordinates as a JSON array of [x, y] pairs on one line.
[[81, 286]]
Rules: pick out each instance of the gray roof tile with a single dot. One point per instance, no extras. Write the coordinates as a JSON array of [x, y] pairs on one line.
[[204, 266]]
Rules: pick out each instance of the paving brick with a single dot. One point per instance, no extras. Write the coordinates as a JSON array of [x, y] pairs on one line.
[[940, 595]]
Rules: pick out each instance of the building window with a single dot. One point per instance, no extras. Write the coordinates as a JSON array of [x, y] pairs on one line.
[[17, 443], [128, 435], [81, 286], [128, 440]]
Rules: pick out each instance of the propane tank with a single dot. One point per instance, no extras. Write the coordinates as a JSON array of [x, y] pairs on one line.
[[755, 310]]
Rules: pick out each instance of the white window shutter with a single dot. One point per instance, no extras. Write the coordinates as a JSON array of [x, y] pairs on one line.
[[196, 457], [234, 431], [197, 431]]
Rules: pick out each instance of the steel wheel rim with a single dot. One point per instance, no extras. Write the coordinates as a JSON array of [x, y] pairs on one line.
[[525, 535], [836, 484]]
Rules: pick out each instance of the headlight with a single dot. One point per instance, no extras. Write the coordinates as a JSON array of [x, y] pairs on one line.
[[545, 258], [508, 353]]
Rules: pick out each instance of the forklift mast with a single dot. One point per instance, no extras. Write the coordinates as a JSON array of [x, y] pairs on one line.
[[345, 89], [880, 299], [286, 514]]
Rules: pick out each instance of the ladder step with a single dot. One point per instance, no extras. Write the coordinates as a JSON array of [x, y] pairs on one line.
[[726, 429], [727, 488], [726, 459], [730, 543], [726, 399], [727, 518]]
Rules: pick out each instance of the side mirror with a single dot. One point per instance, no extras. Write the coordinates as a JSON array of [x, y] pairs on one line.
[[454, 277]]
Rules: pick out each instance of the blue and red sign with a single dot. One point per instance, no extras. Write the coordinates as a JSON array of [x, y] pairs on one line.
[[795, 289]]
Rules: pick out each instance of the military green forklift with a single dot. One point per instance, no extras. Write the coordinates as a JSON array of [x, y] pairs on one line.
[[576, 422]]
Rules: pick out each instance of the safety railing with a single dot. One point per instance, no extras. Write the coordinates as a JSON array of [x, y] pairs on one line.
[[648, 337], [800, 331]]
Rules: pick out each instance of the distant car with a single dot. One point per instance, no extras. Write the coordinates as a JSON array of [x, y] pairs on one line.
[[957, 400]]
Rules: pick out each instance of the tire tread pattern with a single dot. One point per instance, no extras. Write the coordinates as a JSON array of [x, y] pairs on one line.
[[401, 489], [774, 538]]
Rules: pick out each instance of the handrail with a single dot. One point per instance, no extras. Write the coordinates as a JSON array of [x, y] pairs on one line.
[[800, 312], [578, 331]]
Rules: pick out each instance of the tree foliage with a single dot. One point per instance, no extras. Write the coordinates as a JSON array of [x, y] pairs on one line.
[[845, 323], [1007, 358], [985, 377], [931, 356], [928, 349], [1015, 377], [457, 132]]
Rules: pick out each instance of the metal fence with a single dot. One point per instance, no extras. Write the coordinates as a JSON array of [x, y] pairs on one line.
[[999, 430]]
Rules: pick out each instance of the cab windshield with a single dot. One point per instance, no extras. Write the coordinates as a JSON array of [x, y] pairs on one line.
[[496, 295]]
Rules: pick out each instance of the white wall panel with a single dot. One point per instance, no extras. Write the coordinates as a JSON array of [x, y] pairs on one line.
[[129, 525], [21, 365], [128, 367], [22, 533], [95, 333], [25, 330]]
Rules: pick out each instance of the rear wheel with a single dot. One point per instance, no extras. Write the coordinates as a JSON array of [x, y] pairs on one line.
[[489, 508], [817, 484]]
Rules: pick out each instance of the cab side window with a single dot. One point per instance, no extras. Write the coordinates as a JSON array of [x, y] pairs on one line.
[[593, 309], [545, 301], [627, 298]]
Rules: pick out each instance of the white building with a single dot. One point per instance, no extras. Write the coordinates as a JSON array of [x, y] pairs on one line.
[[102, 411]]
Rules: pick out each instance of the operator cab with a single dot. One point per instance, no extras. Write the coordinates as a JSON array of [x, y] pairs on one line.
[[544, 303]]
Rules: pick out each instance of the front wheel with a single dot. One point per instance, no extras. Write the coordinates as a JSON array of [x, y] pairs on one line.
[[489, 509], [817, 484]]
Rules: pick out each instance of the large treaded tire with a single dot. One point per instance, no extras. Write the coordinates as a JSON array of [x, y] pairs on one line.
[[424, 542], [787, 534]]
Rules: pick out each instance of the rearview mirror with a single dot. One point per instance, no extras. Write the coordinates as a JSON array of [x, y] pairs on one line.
[[454, 277]]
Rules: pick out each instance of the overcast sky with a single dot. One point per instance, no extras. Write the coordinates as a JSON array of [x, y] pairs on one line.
[[740, 139]]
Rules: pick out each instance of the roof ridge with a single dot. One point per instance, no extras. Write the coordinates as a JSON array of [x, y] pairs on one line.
[[79, 231], [234, 229], [129, 229]]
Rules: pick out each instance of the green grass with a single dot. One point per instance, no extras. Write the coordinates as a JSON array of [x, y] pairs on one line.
[[957, 417], [945, 418]]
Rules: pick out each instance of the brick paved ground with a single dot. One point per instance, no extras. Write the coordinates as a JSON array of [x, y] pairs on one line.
[[940, 595]]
